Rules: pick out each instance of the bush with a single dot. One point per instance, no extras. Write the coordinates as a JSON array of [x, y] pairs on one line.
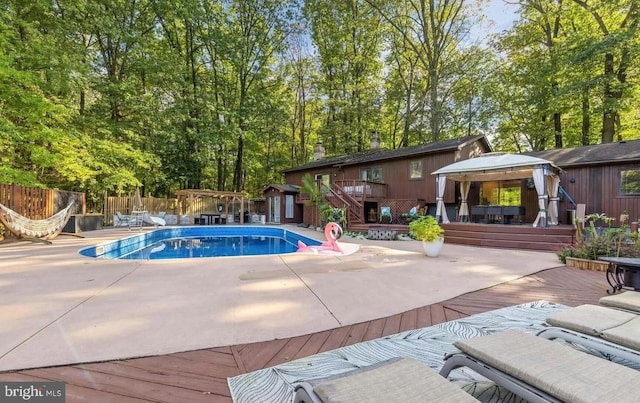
[[602, 241]]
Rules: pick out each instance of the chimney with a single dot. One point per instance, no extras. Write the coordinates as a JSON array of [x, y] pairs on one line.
[[375, 140], [318, 152]]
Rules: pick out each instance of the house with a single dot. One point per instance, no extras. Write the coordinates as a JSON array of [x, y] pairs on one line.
[[604, 177], [368, 181]]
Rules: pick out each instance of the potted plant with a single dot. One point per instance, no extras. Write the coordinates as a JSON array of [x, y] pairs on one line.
[[427, 230]]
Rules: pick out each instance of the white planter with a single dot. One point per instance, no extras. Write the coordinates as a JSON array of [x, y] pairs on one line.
[[432, 249]]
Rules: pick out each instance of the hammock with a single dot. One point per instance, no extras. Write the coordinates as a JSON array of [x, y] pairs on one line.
[[23, 227]]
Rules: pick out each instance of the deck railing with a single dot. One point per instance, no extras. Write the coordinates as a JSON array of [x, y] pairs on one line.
[[362, 189]]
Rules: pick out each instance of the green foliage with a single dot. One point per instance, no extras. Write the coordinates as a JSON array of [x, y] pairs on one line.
[[595, 240], [165, 95], [425, 228]]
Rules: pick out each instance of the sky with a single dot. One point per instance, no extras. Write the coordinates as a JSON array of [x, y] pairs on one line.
[[501, 16]]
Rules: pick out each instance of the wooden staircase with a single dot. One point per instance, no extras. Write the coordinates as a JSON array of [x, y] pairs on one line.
[[550, 239], [337, 197]]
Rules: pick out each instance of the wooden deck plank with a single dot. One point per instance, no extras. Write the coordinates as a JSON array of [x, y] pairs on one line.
[[423, 317], [122, 385], [357, 333], [289, 351], [257, 355], [408, 320], [336, 339], [375, 329], [391, 325], [201, 375], [313, 345]]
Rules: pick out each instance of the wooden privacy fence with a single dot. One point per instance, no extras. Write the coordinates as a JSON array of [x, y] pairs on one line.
[[37, 203], [156, 205]]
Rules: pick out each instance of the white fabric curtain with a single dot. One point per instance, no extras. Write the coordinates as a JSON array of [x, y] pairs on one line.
[[464, 207], [441, 211], [553, 187], [538, 180]]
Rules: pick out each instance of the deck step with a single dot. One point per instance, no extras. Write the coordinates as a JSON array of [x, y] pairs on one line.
[[550, 239]]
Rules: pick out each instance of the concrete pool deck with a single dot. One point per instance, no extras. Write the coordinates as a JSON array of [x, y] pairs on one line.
[[58, 307]]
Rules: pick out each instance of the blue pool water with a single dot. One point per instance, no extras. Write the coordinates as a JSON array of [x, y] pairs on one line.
[[201, 241]]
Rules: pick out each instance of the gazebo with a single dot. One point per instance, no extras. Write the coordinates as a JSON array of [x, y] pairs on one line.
[[190, 195], [496, 167]]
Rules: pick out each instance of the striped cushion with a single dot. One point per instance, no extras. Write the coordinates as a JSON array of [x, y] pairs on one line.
[[403, 381], [590, 319], [561, 371]]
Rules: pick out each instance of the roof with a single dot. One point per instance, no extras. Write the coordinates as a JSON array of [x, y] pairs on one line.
[[284, 188], [381, 154], [210, 193], [493, 166], [623, 151]]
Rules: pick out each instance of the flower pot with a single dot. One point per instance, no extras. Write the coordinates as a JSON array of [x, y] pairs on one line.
[[433, 248], [586, 264]]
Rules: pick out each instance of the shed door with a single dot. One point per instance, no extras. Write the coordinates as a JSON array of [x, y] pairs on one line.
[[274, 209]]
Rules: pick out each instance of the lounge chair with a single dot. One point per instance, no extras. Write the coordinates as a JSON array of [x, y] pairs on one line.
[[628, 300], [606, 330], [541, 370], [401, 380], [155, 221]]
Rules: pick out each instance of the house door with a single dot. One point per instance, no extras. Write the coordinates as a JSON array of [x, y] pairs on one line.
[[274, 209]]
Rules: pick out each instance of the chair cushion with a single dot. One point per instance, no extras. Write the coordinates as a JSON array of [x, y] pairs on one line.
[[590, 319], [627, 300], [405, 380], [627, 335], [561, 371]]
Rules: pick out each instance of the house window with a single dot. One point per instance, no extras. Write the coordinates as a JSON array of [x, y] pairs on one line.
[[371, 174], [415, 169], [288, 203], [630, 182]]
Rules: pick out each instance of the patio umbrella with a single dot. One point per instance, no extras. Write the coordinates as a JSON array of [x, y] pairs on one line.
[[137, 201]]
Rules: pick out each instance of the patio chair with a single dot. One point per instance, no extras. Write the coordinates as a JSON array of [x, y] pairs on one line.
[[541, 370], [122, 220], [401, 380], [385, 215], [605, 330]]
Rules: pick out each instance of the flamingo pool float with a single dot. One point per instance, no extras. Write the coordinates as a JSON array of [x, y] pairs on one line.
[[333, 232]]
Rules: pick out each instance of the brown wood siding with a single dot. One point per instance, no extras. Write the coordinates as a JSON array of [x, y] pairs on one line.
[[395, 173], [598, 188]]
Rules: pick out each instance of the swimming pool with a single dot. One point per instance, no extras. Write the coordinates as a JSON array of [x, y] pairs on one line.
[[200, 241]]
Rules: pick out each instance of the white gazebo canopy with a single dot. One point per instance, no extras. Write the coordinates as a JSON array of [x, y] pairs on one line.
[[499, 167]]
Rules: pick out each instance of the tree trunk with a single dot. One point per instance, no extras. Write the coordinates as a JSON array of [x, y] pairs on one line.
[[586, 118]]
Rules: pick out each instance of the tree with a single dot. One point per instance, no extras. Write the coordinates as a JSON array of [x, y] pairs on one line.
[[433, 30], [617, 22], [348, 38]]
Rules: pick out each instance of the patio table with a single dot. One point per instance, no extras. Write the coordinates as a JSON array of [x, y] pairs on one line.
[[622, 272]]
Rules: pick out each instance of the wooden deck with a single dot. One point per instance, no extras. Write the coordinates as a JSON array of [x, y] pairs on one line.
[[200, 375]]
